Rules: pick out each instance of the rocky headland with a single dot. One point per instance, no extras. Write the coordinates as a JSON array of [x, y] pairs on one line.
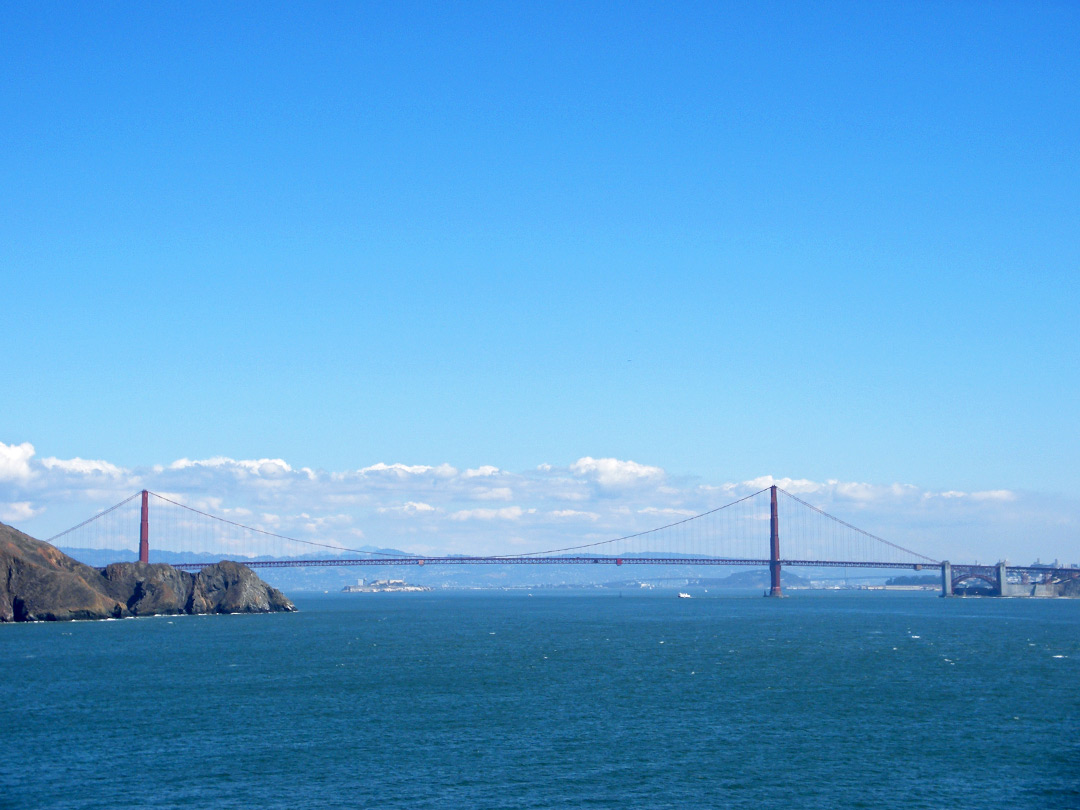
[[38, 582]]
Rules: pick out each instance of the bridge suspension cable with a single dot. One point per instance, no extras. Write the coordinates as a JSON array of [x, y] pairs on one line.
[[634, 536], [271, 534], [90, 520], [809, 533]]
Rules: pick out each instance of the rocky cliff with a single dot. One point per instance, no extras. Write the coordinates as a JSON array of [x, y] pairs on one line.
[[39, 582]]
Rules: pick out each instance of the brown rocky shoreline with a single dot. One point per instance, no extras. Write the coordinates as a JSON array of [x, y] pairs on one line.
[[38, 582]]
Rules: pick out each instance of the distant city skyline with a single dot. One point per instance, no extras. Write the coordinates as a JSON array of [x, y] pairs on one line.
[[723, 242]]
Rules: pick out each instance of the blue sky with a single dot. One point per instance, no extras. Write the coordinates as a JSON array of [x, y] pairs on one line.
[[825, 243]]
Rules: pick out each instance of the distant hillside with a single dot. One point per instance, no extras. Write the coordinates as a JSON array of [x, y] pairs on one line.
[[758, 579], [922, 579]]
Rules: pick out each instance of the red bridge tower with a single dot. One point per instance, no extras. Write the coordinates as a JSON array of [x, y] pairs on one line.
[[144, 529], [774, 546]]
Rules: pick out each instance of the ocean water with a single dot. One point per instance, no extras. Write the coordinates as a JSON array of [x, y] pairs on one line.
[[504, 700]]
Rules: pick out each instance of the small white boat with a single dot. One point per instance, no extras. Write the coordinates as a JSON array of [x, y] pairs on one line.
[[683, 595]]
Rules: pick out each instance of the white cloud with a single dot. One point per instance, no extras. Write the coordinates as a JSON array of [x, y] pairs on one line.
[[667, 512], [263, 467], [15, 461], [506, 513], [725, 489], [574, 513], [186, 463], [856, 491], [796, 486], [81, 466], [485, 471], [493, 494], [20, 510], [994, 495], [611, 472], [316, 523], [860, 492], [439, 508], [405, 470], [568, 495], [408, 508]]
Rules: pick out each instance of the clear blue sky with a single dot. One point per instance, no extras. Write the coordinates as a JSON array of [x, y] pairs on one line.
[[730, 240]]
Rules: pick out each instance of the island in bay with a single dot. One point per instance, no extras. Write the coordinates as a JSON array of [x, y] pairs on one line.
[[383, 586], [38, 582]]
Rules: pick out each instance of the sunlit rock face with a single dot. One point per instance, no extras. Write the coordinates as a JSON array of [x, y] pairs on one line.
[[38, 582]]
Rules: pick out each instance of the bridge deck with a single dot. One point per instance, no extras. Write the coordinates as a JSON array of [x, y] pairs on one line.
[[558, 561]]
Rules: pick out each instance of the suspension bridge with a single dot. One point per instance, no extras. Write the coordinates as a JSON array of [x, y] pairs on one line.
[[744, 532]]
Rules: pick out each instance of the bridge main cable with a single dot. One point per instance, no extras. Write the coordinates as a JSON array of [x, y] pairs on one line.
[[261, 531], [629, 536], [863, 532], [90, 520]]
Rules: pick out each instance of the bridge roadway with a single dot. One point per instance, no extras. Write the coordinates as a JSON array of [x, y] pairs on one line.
[[560, 561]]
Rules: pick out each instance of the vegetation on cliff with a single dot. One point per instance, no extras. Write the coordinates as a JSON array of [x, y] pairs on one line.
[[38, 582]]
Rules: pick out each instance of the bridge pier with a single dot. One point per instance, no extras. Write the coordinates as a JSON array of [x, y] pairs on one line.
[[774, 548], [946, 579]]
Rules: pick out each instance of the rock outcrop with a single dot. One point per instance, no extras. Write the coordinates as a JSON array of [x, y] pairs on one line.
[[38, 582]]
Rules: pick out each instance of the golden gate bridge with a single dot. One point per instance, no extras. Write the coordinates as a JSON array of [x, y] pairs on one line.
[[771, 528]]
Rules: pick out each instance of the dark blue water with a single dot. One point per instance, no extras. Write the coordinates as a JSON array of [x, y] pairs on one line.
[[509, 701]]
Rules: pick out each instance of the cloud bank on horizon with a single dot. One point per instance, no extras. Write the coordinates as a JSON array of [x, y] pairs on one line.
[[435, 509]]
